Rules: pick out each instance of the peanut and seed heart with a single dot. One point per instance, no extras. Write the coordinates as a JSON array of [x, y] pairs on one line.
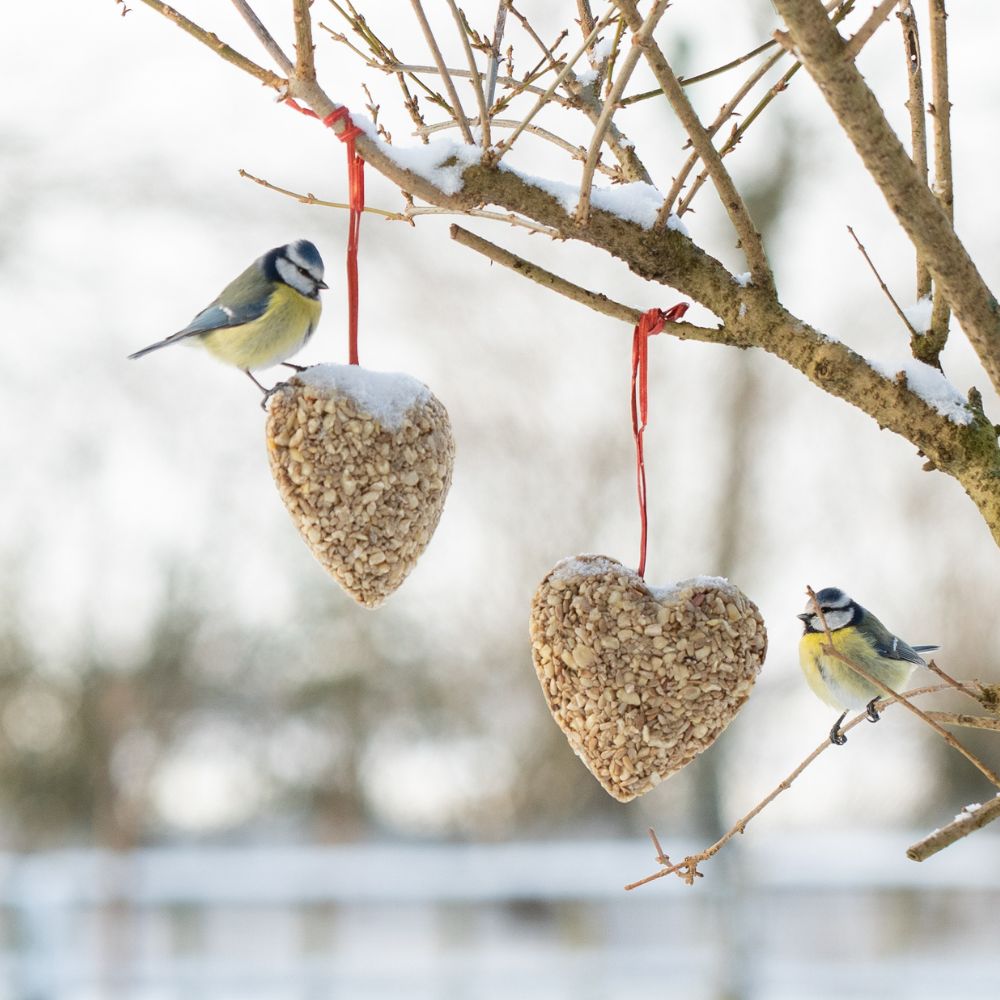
[[363, 462], [641, 680]]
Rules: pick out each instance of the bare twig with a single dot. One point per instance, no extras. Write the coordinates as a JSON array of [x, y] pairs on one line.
[[937, 336], [687, 81], [410, 213], [477, 80], [688, 868], [593, 300], [965, 720], [641, 31], [964, 823], [857, 41], [265, 37], [305, 63], [916, 208], [560, 76], [882, 284], [494, 63], [725, 113], [213, 41], [576, 152], [732, 201], [959, 686], [449, 84], [841, 9], [915, 106]]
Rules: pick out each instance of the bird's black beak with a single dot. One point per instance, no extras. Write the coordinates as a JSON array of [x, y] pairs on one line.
[[322, 284], [805, 616]]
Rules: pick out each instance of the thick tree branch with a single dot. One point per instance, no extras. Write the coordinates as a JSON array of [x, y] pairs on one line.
[[918, 211]]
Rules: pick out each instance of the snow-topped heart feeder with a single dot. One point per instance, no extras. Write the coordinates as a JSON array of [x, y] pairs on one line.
[[641, 679], [363, 462]]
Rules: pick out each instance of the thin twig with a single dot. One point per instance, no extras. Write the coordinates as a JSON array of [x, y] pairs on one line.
[[240, 61], [959, 686], [641, 32], [965, 823], [412, 212], [882, 284], [918, 121], [449, 84], [937, 336], [563, 73], [265, 37], [732, 200], [857, 41], [494, 63], [477, 80], [688, 868], [965, 720], [577, 152], [842, 8], [593, 300], [687, 81], [311, 199], [609, 66], [725, 113]]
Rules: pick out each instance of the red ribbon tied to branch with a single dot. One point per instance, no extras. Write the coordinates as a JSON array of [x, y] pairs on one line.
[[356, 185], [650, 323]]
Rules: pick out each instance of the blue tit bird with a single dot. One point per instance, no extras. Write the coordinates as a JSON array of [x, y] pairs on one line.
[[262, 317], [858, 635]]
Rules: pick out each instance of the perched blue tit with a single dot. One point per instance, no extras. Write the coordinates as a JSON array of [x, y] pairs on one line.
[[861, 637], [262, 317]]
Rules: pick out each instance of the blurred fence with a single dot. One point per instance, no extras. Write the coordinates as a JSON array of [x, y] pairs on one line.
[[848, 917]]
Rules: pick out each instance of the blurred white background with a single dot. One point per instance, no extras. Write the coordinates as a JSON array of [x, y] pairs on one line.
[[176, 669]]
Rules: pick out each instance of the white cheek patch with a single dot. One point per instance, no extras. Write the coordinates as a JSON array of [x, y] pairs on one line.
[[291, 275], [835, 618]]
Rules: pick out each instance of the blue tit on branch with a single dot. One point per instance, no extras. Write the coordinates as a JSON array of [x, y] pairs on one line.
[[262, 317], [860, 637]]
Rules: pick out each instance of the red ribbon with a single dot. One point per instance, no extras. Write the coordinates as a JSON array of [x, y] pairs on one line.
[[356, 186], [651, 322]]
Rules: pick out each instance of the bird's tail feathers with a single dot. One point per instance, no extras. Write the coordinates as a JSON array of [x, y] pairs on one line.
[[166, 342], [924, 649]]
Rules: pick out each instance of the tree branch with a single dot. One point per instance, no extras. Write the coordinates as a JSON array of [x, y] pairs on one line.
[[918, 125], [305, 64], [449, 84], [917, 210], [732, 201], [965, 822], [477, 80], [937, 336], [593, 300], [213, 41], [265, 37], [642, 30], [860, 37]]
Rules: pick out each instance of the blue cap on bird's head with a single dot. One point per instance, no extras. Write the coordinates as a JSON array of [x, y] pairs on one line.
[[305, 253], [833, 603]]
